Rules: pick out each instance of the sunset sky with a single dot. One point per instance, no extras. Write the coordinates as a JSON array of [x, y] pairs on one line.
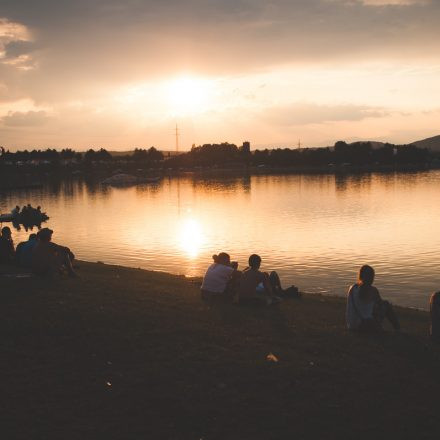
[[113, 74]]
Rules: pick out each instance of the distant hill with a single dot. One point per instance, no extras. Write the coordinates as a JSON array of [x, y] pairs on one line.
[[432, 143]]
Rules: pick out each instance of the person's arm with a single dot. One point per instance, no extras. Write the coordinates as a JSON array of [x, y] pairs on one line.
[[376, 294]]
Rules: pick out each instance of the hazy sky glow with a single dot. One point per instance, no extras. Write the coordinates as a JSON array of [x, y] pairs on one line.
[[94, 73]]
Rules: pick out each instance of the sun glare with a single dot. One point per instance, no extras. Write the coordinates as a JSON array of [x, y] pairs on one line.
[[188, 95], [191, 237]]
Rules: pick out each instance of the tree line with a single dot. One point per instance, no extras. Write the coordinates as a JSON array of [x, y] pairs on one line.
[[358, 153], [230, 155], [69, 155]]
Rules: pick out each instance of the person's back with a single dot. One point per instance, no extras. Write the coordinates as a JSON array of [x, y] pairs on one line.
[[358, 309], [42, 257], [249, 281], [216, 278], [49, 258], [24, 251], [220, 278], [365, 308]]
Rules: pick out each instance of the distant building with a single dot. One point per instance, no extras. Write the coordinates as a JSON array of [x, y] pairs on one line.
[[246, 147]]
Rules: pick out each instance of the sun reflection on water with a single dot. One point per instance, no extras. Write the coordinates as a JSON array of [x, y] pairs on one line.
[[191, 237]]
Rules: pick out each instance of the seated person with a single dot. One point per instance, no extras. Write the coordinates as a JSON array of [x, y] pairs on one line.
[[258, 287], [15, 211], [7, 251], [221, 278], [365, 308], [23, 253], [49, 258]]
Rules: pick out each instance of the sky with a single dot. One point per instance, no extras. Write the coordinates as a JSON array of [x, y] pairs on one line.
[[119, 75]]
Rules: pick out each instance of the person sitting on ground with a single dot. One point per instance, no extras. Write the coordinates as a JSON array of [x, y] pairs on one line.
[[7, 251], [49, 258], [366, 310], [258, 287], [220, 280], [15, 211], [24, 251]]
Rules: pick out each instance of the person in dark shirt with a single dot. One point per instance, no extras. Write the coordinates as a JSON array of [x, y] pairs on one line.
[[23, 253], [49, 258], [7, 251], [258, 287]]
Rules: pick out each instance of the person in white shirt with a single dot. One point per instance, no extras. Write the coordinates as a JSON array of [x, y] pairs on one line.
[[220, 278], [366, 310]]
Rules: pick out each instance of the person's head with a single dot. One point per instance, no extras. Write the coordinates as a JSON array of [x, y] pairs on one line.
[[366, 275], [255, 261], [222, 258], [45, 234], [32, 237], [365, 281], [6, 232]]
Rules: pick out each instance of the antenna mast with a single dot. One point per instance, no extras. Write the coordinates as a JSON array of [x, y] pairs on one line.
[[177, 139]]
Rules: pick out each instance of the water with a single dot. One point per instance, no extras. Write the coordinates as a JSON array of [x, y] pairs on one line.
[[316, 230]]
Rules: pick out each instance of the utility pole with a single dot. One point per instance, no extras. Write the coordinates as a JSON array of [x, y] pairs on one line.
[[177, 139], [299, 144]]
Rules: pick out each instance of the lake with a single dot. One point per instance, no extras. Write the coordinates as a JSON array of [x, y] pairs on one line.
[[315, 230]]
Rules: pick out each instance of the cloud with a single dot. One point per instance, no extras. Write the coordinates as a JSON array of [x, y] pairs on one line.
[[88, 45], [55, 53], [25, 119], [306, 113], [395, 2]]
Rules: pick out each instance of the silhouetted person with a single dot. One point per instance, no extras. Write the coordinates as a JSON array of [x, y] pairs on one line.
[[256, 287], [49, 258], [220, 279], [24, 251], [366, 310], [15, 211], [7, 251]]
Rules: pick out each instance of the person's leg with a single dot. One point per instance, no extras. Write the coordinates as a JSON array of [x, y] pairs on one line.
[[62, 261], [68, 263], [390, 314], [384, 309]]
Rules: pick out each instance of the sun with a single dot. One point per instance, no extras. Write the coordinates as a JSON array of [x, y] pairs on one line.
[[188, 95]]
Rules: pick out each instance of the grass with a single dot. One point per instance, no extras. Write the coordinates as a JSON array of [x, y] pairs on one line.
[[129, 354]]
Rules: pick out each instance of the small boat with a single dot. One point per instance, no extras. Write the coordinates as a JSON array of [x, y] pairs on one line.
[[31, 218], [6, 217]]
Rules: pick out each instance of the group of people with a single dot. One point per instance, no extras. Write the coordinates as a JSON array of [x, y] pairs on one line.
[[365, 311], [38, 254], [28, 215], [223, 281]]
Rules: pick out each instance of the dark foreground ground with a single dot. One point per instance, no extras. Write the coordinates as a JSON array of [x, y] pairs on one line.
[[130, 354]]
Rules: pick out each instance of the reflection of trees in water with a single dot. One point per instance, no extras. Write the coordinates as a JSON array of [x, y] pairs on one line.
[[94, 187], [149, 188], [387, 179], [228, 184], [353, 182]]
